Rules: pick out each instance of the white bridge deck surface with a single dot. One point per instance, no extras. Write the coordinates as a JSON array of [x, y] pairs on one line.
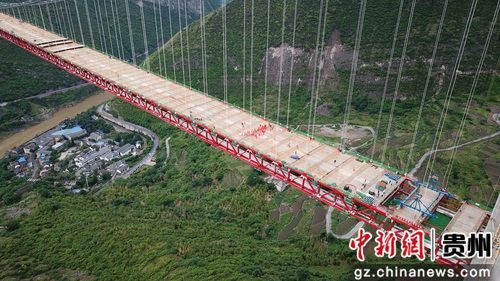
[[468, 218], [324, 162]]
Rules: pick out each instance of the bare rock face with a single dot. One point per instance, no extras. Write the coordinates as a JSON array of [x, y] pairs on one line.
[[279, 60], [335, 56], [317, 64], [193, 6]]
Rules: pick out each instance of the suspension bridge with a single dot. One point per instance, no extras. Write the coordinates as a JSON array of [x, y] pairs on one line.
[[367, 190]]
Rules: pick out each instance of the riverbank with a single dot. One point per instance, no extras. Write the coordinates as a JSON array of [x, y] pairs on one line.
[[60, 115]]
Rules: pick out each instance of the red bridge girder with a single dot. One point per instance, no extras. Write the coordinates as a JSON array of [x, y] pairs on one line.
[[329, 195]]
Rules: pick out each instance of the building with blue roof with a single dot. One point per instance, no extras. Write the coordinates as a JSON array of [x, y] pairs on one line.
[[71, 133], [21, 160]]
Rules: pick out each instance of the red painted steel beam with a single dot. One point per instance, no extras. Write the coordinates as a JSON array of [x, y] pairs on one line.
[[330, 196]]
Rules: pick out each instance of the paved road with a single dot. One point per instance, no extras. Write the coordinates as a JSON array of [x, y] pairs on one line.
[[345, 236], [495, 117], [48, 93], [429, 153], [135, 128]]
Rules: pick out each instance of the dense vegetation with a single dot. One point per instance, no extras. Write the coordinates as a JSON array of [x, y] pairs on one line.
[[108, 21], [198, 215], [23, 75], [22, 113], [376, 40], [202, 215]]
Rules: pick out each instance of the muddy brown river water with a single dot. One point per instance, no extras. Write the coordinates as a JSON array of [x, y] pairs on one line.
[[26, 134]]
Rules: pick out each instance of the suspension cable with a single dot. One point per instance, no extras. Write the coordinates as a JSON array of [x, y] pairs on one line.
[[119, 29], [387, 75], [318, 80], [398, 80], [31, 15], [187, 43], [244, 50], [102, 42], [251, 58], [171, 36], [162, 40], [291, 66], [224, 50], [202, 19], [70, 21], [182, 42], [88, 22], [41, 16], [144, 37], [267, 55], [205, 44], [62, 21], [49, 16], [427, 81], [451, 88], [109, 31], [79, 22], [280, 79], [313, 83], [354, 67], [472, 91], [118, 35], [157, 37], [131, 37]]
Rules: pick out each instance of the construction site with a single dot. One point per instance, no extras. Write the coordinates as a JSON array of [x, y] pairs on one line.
[[376, 194]]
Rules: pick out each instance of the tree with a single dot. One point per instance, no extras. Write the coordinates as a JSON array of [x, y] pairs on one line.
[[13, 225]]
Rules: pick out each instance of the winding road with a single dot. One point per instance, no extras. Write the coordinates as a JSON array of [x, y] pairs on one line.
[[136, 128], [429, 153], [47, 94], [345, 236]]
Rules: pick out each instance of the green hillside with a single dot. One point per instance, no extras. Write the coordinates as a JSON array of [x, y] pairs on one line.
[[196, 215], [200, 214], [23, 75], [340, 27], [109, 23]]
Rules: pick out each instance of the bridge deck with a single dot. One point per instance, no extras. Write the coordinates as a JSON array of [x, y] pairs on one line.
[[469, 218], [325, 163]]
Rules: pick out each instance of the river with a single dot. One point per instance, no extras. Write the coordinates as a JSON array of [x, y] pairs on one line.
[[26, 134]]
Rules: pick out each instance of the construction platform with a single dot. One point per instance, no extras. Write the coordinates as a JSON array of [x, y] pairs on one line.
[[323, 162], [468, 218], [348, 182]]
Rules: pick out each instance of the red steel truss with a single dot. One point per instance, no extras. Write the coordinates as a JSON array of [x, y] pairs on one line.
[[374, 216]]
